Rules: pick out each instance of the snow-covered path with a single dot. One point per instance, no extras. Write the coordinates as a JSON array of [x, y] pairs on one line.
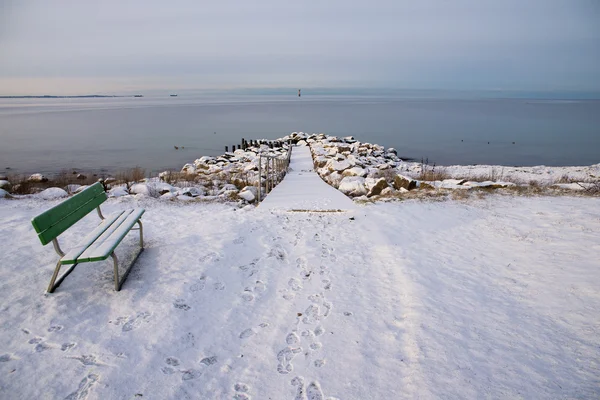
[[303, 189], [496, 298]]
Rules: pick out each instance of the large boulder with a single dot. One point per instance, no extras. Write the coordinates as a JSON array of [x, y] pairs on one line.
[[118, 191], [355, 171], [375, 186], [53, 193], [189, 169], [339, 166], [401, 181], [353, 186], [37, 178], [248, 193], [4, 193], [140, 188]]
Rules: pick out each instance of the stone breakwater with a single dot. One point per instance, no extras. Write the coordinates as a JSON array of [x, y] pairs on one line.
[[358, 169]]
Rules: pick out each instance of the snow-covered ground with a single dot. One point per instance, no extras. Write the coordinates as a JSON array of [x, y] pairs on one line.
[[490, 298]]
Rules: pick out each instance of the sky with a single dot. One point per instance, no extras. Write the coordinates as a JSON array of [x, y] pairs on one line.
[[122, 46]]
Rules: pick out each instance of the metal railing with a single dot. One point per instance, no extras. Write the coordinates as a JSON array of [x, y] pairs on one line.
[[274, 169]]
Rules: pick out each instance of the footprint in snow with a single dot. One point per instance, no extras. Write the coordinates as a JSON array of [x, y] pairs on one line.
[[241, 391], [180, 304], [319, 331], [260, 286], [294, 284], [320, 363], [219, 286], [314, 392], [67, 346], [209, 360], [246, 333], [239, 240], [6, 357], [292, 338], [190, 374], [198, 285], [247, 295], [84, 387], [317, 237], [285, 358], [55, 328], [172, 361]]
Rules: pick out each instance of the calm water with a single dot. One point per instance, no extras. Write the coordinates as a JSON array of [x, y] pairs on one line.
[[49, 135]]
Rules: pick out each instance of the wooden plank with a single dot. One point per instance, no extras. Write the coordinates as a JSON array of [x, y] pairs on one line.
[[71, 256], [70, 219], [52, 216], [85, 256], [103, 251]]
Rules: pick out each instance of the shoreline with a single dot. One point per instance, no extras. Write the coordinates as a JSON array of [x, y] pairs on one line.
[[351, 166]]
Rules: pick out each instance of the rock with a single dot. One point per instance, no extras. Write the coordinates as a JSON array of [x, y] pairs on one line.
[[407, 183], [388, 191], [247, 194], [167, 195], [4, 193], [425, 186], [321, 161], [392, 151], [53, 193], [37, 178], [355, 171], [118, 191], [72, 188], [4, 184], [353, 186], [228, 188], [109, 180], [192, 191], [81, 176], [333, 165], [334, 179], [162, 187], [80, 188], [3, 178], [375, 186], [140, 188], [189, 169]]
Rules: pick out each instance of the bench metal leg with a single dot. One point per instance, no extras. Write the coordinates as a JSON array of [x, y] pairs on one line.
[[119, 282], [56, 283]]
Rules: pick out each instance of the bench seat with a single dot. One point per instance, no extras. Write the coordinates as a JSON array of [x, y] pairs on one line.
[[100, 243]]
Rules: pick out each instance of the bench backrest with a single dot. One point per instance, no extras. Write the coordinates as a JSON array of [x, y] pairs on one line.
[[59, 218]]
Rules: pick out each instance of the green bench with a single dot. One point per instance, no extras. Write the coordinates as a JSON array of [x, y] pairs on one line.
[[99, 244]]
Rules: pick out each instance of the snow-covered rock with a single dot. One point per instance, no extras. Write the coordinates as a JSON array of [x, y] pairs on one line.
[[189, 169], [375, 186], [52, 193], [401, 181], [3, 193], [80, 189], [168, 196], [37, 178], [72, 188], [4, 184], [228, 188], [339, 166], [192, 191], [249, 193], [355, 171], [118, 191], [353, 186], [140, 188]]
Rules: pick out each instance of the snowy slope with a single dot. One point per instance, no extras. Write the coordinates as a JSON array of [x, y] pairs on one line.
[[497, 298]]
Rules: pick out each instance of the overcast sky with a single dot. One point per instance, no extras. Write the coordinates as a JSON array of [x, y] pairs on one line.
[[100, 46]]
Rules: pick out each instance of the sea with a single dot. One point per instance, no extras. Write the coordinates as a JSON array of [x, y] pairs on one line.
[[106, 135]]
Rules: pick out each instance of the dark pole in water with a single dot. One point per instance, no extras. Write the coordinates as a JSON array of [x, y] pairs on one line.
[[226, 149]]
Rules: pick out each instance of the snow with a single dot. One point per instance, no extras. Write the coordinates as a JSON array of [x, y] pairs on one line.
[[490, 298], [303, 189]]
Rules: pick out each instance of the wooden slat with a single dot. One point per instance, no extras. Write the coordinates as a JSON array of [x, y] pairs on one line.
[[108, 246], [65, 223], [85, 256], [71, 256], [52, 216]]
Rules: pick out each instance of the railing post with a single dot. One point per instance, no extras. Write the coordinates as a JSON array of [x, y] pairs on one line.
[[259, 177]]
